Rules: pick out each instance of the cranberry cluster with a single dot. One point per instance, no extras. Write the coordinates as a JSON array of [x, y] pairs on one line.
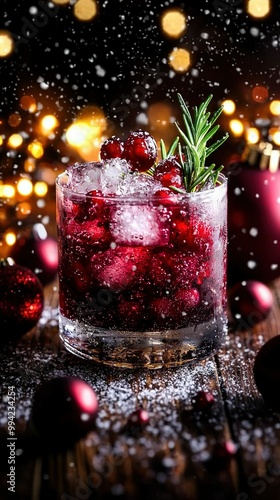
[[140, 150]]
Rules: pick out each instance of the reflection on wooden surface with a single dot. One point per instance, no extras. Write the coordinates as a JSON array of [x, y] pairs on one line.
[[175, 455]]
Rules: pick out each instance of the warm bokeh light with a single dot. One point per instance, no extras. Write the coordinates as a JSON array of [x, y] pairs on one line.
[[29, 165], [36, 149], [61, 2], [275, 136], [85, 133], [10, 238], [252, 135], [229, 106], [85, 10], [237, 127], [7, 191], [1, 140], [14, 120], [173, 23], [275, 107], [25, 187], [159, 115], [258, 8], [40, 188], [28, 103], [6, 43], [179, 60], [15, 141], [49, 123], [77, 134], [23, 209], [259, 93]]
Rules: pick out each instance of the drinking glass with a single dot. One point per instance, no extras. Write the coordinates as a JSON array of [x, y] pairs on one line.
[[142, 280]]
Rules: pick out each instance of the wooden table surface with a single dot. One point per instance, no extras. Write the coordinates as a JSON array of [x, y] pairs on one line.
[[174, 456]]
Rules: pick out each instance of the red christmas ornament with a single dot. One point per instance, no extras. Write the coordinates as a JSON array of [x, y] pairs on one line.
[[254, 215], [37, 251], [22, 299], [136, 422], [64, 409], [249, 302], [203, 401], [267, 372]]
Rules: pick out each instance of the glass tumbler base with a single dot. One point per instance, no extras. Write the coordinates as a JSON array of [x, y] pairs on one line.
[[152, 350]]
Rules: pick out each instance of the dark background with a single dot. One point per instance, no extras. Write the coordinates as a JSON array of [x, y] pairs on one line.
[[119, 58]]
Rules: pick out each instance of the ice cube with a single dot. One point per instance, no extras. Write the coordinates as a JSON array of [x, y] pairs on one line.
[[140, 185], [119, 268], [113, 173], [84, 177], [139, 225]]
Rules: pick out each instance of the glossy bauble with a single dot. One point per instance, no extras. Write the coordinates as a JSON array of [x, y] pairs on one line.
[[64, 409], [253, 223], [21, 300], [267, 372], [37, 250], [249, 302]]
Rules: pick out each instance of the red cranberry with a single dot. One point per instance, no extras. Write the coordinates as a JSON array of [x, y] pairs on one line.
[[140, 150], [189, 232], [64, 409], [169, 173], [166, 197], [131, 314], [111, 148], [164, 312], [267, 372], [203, 401], [187, 298], [139, 417]]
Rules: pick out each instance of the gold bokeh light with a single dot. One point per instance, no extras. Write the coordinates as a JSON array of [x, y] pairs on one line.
[[275, 108], [36, 149], [228, 107], [274, 133], [40, 188], [237, 127], [7, 191], [258, 8], [173, 23], [86, 131], [15, 141], [10, 238], [6, 43], [252, 135], [85, 10], [179, 60], [49, 123], [25, 187], [61, 2], [29, 165]]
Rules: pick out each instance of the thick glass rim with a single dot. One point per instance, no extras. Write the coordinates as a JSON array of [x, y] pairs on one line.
[[207, 193]]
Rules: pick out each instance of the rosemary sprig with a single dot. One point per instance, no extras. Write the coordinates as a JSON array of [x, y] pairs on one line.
[[193, 149]]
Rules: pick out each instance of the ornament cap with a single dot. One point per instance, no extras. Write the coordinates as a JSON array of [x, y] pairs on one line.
[[262, 156]]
